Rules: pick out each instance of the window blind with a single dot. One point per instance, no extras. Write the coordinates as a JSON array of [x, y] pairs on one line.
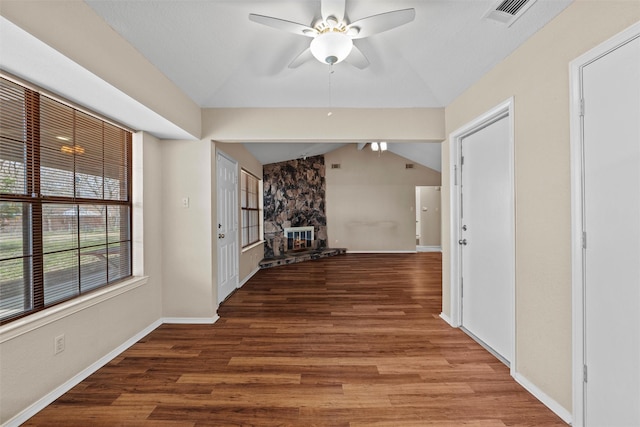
[[65, 205]]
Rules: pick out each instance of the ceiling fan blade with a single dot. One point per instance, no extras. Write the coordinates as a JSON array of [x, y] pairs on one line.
[[281, 24], [305, 56], [379, 23], [357, 58], [333, 8]]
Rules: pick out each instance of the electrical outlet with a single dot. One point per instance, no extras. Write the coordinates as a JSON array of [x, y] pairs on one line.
[[58, 344], [185, 202]]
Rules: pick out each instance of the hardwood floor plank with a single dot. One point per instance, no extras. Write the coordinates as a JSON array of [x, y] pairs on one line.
[[241, 378], [353, 340]]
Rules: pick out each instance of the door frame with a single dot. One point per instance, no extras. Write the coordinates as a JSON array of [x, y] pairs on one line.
[[235, 210], [504, 109], [577, 210]]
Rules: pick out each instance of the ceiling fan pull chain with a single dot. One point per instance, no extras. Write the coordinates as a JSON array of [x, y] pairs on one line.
[[330, 92]]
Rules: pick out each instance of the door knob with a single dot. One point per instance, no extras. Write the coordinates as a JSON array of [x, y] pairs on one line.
[[221, 236], [462, 242]]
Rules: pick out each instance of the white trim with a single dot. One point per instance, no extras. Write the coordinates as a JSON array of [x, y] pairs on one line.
[[42, 318], [577, 227], [428, 249], [190, 320], [446, 318], [506, 108], [237, 221], [137, 203], [46, 400], [251, 246], [249, 276], [543, 397], [59, 311], [382, 252]]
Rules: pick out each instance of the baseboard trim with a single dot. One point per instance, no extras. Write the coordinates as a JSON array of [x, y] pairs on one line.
[[191, 320], [447, 319], [46, 400], [543, 397], [249, 276], [381, 252], [428, 249]]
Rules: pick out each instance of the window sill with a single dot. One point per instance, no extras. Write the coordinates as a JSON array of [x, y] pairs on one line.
[[42, 318], [251, 246]]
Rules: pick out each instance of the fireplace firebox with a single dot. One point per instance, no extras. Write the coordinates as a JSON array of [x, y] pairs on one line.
[[299, 238]]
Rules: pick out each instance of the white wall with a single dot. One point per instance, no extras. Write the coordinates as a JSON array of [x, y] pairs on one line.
[[93, 326]]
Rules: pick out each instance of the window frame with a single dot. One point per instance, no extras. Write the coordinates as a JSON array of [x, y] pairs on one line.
[[246, 209], [34, 201]]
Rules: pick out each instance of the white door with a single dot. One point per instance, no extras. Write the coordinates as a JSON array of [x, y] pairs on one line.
[[227, 190], [486, 220], [611, 144]]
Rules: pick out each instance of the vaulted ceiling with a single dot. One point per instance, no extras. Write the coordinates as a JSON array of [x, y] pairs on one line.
[[219, 58]]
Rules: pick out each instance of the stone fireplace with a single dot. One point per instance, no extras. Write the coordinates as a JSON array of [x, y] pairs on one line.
[[294, 198], [298, 238]]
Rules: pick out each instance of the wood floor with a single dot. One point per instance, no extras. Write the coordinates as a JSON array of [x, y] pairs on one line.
[[353, 340]]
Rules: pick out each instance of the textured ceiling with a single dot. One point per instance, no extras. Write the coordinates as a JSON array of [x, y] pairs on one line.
[[219, 58]]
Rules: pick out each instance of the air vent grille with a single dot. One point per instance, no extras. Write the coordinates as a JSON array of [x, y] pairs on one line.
[[408, 166], [335, 165], [512, 7], [508, 11]]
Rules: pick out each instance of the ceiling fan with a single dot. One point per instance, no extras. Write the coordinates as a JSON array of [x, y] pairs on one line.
[[333, 35]]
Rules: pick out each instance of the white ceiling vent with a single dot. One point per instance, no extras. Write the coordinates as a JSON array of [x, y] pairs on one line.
[[508, 11]]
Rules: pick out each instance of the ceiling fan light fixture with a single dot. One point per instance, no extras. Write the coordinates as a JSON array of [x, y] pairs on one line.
[[331, 47], [383, 146], [374, 146]]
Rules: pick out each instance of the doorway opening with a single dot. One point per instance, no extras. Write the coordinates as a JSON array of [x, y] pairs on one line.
[[428, 218]]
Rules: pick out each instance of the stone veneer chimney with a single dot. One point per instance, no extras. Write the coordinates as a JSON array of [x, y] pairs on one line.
[[294, 196]]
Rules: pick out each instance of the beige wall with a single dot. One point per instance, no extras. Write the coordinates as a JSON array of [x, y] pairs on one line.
[[29, 370], [371, 200], [189, 234], [189, 288], [313, 124], [537, 75]]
